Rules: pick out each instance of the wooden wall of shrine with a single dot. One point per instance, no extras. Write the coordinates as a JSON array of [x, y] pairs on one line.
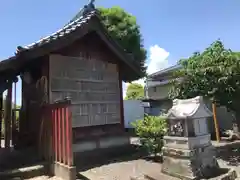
[[88, 73], [32, 99], [91, 83]]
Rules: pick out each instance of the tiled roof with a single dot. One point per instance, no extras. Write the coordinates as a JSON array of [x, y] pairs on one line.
[[86, 9], [83, 18], [80, 20], [62, 32]]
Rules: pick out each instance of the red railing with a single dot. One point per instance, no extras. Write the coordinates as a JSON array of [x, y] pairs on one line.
[[61, 132]]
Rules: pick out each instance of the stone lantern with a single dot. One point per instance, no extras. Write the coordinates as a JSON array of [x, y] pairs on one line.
[[188, 152]]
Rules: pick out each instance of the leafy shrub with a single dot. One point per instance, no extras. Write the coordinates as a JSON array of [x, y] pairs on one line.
[[151, 130]]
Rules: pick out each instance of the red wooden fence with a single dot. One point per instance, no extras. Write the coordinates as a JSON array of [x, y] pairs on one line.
[[61, 132]]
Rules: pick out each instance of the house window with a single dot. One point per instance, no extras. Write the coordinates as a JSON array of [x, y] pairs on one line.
[[154, 89]]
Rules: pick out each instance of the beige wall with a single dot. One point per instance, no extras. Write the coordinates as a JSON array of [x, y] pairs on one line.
[[159, 92]]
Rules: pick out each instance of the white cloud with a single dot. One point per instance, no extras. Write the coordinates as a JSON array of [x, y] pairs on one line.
[[156, 62], [157, 59], [140, 81]]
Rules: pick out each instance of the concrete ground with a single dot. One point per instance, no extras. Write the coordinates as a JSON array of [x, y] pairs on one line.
[[125, 170], [134, 168], [126, 167]]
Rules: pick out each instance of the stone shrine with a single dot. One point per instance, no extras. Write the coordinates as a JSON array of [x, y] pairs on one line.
[[188, 152]]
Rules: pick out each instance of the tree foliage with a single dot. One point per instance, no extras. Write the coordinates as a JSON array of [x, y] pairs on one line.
[[214, 73], [134, 92], [151, 130], [123, 27]]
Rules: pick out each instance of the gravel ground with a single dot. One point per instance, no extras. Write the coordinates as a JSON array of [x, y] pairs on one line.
[[124, 170], [135, 168]]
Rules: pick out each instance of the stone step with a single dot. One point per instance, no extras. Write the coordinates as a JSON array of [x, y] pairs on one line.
[[25, 172]]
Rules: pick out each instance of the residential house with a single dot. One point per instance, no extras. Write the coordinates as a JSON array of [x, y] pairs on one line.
[[156, 90], [156, 93]]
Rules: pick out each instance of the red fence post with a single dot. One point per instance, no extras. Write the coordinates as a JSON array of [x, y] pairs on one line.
[[63, 133], [56, 134], [69, 137], [59, 135], [53, 135]]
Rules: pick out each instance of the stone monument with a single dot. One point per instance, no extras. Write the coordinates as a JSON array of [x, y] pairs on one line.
[[188, 152]]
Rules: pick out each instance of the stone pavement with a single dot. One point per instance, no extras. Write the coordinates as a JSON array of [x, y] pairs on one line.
[[123, 169]]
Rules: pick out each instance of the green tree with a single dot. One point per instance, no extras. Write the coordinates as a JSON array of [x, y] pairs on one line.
[[123, 27], [134, 92], [214, 73], [151, 130]]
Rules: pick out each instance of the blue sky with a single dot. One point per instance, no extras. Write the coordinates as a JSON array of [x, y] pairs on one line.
[[171, 29]]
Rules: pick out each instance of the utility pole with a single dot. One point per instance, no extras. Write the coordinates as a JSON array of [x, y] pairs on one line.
[[215, 122]]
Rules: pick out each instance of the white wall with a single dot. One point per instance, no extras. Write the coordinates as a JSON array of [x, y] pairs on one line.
[[133, 110]]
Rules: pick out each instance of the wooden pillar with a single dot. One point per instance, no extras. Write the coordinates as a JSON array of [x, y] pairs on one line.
[[8, 115], [121, 99], [15, 95], [14, 117], [22, 117], [1, 116], [215, 122]]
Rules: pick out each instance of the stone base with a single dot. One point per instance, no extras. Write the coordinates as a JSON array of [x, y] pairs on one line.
[[104, 142], [179, 168], [100, 156], [63, 171], [189, 164]]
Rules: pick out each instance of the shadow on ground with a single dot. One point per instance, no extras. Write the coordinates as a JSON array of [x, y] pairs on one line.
[[81, 177], [135, 153], [216, 173], [18, 159], [125, 156], [230, 155]]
